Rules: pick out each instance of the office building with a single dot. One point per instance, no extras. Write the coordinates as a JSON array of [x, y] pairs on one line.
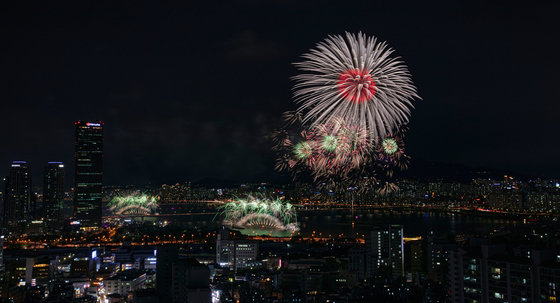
[[246, 252], [234, 253], [53, 196], [88, 160]]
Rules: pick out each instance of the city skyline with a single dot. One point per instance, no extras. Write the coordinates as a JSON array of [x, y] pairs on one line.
[[436, 170], [143, 81], [279, 152]]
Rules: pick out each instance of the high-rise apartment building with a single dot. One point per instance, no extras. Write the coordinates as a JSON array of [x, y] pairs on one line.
[[53, 195], [88, 158], [384, 251], [18, 203], [495, 273]]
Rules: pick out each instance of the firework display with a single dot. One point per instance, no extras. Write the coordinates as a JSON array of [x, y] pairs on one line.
[[260, 213], [390, 152], [344, 147], [325, 151], [389, 146], [357, 79], [294, 146], [354, 101], [133, 203], [303, 150], [386, 188]]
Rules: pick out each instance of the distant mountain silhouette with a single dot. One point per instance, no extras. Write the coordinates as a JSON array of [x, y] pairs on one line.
[[419, 169], [429, 170]]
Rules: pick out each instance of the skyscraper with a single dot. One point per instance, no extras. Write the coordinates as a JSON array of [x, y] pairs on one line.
[[88, 158], [18, 207], [53, 195]]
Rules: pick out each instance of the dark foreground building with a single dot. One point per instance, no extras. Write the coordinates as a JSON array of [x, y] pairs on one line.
[[53, 196], [18, 202], [497, 273], [181, 279]]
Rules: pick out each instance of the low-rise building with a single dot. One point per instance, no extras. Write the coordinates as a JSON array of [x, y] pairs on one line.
[[125, 282]]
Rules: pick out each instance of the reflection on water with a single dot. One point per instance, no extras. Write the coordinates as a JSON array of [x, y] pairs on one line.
[[335, 222], [415, 223], [264, 232]]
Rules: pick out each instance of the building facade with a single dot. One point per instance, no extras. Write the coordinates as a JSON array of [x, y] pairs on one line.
[[125, 282], [234, 253], [88, 159], [53, 196], [19, 206], [496, 274], [385, 251]]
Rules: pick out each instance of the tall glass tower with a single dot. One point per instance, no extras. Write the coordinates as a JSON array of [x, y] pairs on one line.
[[53, 195], [88, 160], [18, 204]]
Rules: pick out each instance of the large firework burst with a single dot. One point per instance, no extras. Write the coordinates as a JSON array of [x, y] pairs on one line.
[[354, 78], [133, 203], [261, 213]]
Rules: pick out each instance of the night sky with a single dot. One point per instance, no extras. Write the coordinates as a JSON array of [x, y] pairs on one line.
[[190, 92]]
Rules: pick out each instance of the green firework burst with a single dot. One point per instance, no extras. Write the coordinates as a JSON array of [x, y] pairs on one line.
[[302, 150], [329, 143], [390, 146]]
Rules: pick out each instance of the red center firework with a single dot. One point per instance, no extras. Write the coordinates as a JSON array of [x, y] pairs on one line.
[[356, 85]]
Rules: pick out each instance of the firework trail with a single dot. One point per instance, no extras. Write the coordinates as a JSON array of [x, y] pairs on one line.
[[387, 188]]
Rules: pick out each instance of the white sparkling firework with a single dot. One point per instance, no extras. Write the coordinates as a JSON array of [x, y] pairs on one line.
[[356, 79]]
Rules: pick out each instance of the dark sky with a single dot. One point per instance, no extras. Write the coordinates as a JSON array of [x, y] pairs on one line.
[[189, 92]]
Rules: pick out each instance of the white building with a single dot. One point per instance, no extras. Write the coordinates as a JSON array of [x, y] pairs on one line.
[[125, 282]]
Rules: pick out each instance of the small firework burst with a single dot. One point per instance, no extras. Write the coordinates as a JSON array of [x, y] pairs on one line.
[[390, 153], [329, 143], [303, 150], [390, 146]]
